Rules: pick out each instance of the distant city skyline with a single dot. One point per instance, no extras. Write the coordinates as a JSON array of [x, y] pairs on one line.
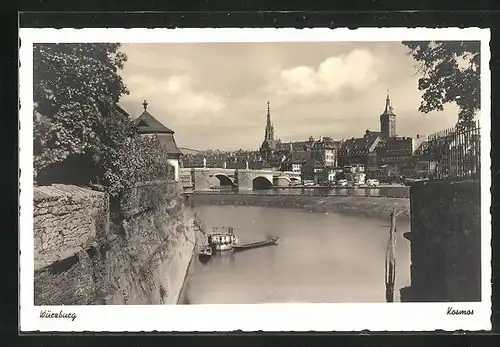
[[214, 95]]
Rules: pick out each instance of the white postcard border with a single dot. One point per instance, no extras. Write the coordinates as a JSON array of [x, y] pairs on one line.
[[265, 317]]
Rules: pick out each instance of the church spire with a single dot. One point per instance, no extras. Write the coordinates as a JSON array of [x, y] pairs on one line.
[[145, 105], [388, 106], [388, 120], [269, 136], [387, 102]]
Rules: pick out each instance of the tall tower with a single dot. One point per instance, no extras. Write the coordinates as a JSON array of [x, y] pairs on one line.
[[268, 145], [269, 135], [388, 120]]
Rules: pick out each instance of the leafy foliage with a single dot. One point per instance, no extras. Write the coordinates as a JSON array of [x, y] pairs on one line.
[[450, 72], [145, 159], [78, 127], [75, 87]]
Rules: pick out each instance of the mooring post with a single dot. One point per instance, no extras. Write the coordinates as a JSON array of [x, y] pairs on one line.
[[390, 259]]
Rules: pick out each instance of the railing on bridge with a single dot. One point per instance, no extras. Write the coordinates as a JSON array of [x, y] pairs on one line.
[[285, 173], [455, 152]]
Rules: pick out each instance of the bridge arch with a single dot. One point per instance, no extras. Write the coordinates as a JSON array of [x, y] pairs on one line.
[[261, 182], [224, 179]]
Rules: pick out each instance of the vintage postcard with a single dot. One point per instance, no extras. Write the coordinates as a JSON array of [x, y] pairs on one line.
[[198, 180]]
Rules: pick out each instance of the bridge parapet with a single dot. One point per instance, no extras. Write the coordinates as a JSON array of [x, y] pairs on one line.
[[200, 177], [294, 176], [219, 171], [245, 179]]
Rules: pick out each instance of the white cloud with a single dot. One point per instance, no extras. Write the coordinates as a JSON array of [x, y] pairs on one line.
[[176, 94], [177, 84], [356, 70]]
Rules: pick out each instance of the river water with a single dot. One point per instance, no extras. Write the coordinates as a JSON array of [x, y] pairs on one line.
[[320, 258]]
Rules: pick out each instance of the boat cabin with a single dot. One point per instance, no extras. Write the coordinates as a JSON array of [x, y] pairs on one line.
[[222, 235]]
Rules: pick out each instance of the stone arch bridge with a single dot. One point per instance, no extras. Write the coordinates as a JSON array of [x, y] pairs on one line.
[[201, 179]]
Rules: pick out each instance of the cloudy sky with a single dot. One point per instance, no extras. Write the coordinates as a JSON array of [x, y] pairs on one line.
[[213, 95]]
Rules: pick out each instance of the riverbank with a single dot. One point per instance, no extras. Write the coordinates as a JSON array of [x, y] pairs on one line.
[[372, 207]]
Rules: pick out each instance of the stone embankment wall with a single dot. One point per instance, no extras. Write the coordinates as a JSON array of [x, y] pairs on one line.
[[373, 207], [445, 241], [88, 253]]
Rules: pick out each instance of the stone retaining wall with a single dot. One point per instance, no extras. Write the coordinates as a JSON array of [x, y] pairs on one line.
[[81, 257], [67, 220], [445, 241]]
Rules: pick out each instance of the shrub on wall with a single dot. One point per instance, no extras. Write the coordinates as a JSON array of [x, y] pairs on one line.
[[139, 159], [144, 197]]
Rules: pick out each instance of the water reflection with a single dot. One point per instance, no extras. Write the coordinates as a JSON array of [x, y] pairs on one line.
[[376, 192]]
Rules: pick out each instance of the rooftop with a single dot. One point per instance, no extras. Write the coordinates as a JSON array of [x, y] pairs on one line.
[[326, 142], [297, 145], [168, 140], [360, 145], [148, 124]]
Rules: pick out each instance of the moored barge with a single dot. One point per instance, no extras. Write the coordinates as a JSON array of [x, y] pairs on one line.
[[272, 241]]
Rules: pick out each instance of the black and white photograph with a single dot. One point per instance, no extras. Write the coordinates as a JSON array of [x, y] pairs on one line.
[[255, 179]]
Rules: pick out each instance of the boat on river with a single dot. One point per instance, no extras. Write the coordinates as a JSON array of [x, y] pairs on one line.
[[222, 238], [205, 251], [271, 241]]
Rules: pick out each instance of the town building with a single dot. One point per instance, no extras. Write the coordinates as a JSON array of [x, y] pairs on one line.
[[298, 159], [314, 170], [361, 151], [355, 173], [422, 164], [395, 156], [150, 126], [314, 159], [295, 161], [326, 151], [331, 174]]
